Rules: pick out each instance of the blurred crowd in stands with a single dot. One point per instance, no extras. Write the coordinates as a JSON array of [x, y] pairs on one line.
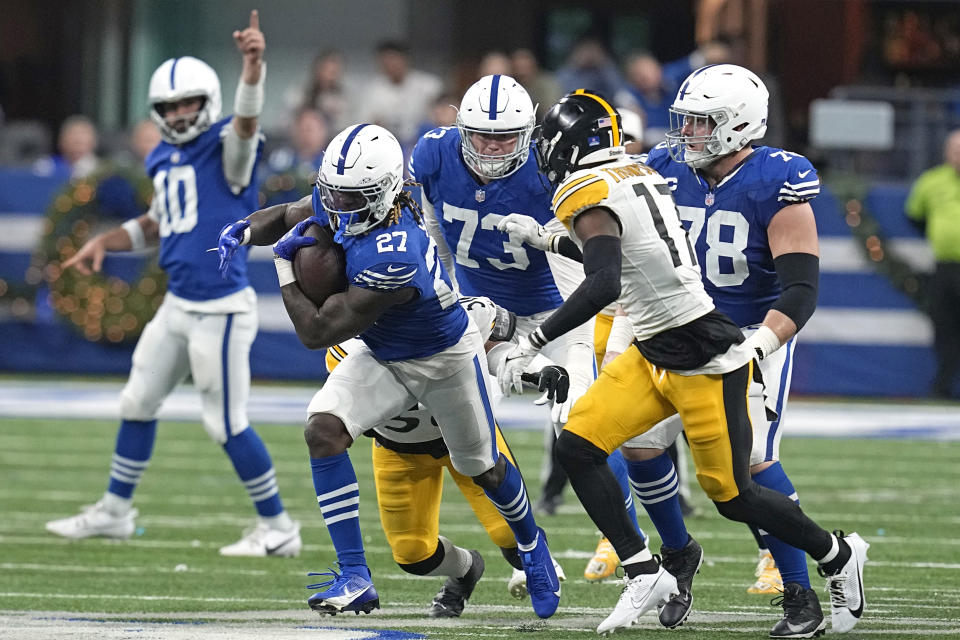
[[402, 98]]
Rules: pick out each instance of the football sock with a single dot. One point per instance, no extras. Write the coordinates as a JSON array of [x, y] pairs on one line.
[[655, 482], [512, 556], [455, 563], [791, 562], [761, 543], [510, 499], [599, 493], [338, 495], [619, 466], [131, 455], [838, 555], [638, 563], [252, 463]]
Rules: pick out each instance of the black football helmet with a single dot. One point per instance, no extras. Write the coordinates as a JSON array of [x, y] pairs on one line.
[[581, 129]]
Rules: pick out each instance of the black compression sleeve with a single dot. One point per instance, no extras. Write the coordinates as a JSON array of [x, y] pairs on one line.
[[799, 275], [567, 248], [601, 265]]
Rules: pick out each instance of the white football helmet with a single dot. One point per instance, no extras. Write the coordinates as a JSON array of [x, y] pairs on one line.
[[496, 104], [731, 99], [359, 178], [180, 78]]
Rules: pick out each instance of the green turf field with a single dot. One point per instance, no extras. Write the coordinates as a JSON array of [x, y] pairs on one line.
[[899, 494]]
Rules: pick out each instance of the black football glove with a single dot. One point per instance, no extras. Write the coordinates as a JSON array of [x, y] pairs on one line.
[[553, 379]]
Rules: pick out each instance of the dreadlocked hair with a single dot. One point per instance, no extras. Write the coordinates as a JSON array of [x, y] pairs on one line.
[[402, 201]]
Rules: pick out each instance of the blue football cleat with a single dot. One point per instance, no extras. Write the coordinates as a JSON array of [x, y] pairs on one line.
[[343, 592], [542, 582]]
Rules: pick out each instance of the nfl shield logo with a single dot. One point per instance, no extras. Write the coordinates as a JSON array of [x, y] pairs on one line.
[[480, 195], [708, 200]]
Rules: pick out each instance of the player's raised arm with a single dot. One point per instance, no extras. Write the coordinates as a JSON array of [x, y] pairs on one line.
[[249, 99], [242, 138]]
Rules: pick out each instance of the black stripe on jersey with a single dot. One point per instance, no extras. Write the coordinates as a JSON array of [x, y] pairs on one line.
[[642, 189]]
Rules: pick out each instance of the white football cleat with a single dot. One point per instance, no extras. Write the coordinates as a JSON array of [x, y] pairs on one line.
[[95, 520], [846, 586], [263, 541], [517, 585], [640, 594]]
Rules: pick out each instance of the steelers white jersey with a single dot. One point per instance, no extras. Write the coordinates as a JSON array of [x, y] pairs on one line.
[[416, 425], [660, 280]]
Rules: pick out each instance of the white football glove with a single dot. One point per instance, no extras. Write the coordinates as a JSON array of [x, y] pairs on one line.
[[517, 360], [527, 230], [560, 411]]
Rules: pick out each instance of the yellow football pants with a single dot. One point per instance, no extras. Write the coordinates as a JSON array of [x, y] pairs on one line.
[[409, 489], [631, 395]]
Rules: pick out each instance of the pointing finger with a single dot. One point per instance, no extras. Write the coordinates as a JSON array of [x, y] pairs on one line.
[[255, 20]]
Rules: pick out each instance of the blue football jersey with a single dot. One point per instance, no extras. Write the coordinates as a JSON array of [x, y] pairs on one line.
[[397, 256], [194, 201], [728, 224], [489, 262]]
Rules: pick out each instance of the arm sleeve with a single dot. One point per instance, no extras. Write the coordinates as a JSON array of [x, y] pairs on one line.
[[239, 157], [432, 224], [600, 286], [799, 275]]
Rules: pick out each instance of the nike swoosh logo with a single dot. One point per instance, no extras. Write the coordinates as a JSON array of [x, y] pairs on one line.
[[392, 270], [803, 174], [272, 550], [859, 610]]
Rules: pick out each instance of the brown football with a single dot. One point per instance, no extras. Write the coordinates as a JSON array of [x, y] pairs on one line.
[[321, 268]]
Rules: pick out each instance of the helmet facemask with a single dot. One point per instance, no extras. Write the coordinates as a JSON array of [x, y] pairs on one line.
[[705, 136], [360, 177], [353, 211], [722, 107], [496, 105], [180, 79], [495, 166]]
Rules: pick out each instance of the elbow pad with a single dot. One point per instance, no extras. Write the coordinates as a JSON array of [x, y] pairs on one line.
[[799, 275], [601, 265]]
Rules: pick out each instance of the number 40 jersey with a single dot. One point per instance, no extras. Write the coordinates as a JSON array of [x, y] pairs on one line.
[[728, 224], [488, 262]]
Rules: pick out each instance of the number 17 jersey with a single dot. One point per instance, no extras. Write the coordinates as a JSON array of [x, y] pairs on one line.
[[489, 262]]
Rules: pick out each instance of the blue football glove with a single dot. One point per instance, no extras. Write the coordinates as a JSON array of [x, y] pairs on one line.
[[231, 237], [294, 240]]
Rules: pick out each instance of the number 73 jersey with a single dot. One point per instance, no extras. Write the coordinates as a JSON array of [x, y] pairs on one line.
[[489, 262], [728, 224], [660, 286]]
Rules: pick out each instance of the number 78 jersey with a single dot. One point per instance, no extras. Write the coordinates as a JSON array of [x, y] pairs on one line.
[[660, 282], [728, 224]]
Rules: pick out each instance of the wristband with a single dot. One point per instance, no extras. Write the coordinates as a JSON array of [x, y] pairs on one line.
[[248, 102], [246, 236], [764, 341], [621, 335], [284, 271], [135, 231], [537, 339]]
